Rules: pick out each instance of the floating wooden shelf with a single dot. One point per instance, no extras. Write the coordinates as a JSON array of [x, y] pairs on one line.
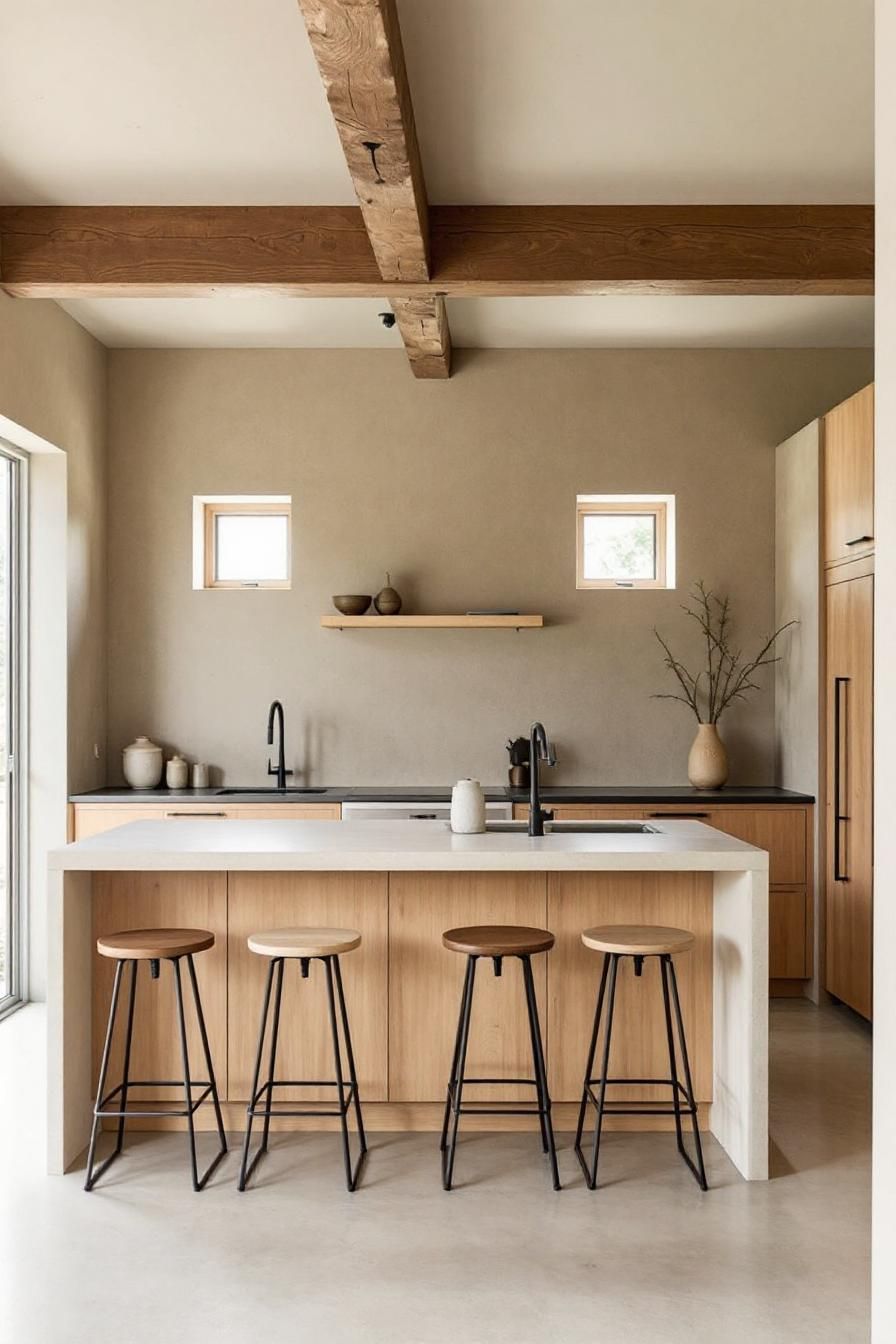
[[431, 622]]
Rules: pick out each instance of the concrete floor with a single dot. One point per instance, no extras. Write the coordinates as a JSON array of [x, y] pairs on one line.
[[503, 1258]]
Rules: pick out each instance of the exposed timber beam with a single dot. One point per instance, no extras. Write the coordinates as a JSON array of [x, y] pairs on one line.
[[358, 50], [423, 324], [95, 251]]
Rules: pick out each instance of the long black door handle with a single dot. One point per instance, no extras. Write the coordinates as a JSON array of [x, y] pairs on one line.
[[840, 817]]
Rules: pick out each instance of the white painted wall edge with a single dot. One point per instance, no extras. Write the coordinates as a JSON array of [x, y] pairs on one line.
[[883, 1291]]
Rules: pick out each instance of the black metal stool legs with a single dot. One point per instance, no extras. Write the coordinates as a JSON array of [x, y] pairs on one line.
[[103, 1109], [261, 1100], [454, 1106], [683, 1100], [198, 1181], [667, 971]]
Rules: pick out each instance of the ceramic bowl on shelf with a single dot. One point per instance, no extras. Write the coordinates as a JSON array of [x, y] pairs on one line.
[[352, 604]]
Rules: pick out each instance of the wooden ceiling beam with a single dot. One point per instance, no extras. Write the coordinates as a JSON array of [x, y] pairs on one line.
[[423, 324], [358, 50], [357, 45], [66, 252]]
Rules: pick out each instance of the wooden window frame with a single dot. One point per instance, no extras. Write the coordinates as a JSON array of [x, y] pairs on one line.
[[660, 507], [247, 509]]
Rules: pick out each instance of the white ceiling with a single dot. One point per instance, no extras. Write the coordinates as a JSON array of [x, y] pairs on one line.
[[573, 101], [557, 322], [219, 101]]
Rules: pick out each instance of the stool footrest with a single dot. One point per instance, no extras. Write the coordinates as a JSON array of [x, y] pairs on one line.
[[265, 1110], [100, 1109], [641, 1107]]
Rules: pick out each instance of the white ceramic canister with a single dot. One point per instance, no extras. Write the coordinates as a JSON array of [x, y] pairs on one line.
[[199, 776], [467, 807], [176, 772], [142, 764]]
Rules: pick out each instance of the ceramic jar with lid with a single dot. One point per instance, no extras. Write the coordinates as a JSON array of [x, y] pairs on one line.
[[176, 772], [142, 764]]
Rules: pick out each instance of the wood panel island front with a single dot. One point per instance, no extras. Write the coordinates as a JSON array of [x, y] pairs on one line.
[[401, 884]]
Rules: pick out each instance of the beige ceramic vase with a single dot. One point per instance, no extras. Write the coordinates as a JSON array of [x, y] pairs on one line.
[[708, 759]]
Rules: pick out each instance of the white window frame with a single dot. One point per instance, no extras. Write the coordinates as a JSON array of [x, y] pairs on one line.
[[17, 737], [206, 509], [662, 507]]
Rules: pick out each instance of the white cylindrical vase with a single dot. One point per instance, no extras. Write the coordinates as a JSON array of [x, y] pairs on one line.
[[467, 807]]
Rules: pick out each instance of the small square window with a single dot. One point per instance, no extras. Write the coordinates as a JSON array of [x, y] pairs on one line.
[[241, 541], [625, 541]]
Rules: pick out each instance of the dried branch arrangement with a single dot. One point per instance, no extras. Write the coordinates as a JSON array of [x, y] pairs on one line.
[[727, 676]]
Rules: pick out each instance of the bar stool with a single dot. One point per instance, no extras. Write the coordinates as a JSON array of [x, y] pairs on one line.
[[638, 941], [496, 941], [304, 946], [154, 946]]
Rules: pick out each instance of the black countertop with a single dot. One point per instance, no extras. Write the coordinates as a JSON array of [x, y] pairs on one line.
[[637, 794]]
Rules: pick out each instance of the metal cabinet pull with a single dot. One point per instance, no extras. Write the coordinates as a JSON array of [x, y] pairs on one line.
[[423, 816], [856, 541], [840, 816], [195, 814], [680, 816]]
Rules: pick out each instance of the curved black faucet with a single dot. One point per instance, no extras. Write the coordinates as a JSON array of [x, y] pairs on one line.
[[540, 749], [276, 711]]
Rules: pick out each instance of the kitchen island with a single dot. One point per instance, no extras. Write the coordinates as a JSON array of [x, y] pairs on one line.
[[401, 884]]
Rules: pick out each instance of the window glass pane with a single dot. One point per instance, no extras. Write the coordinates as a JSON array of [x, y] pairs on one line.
[[6, 657], [619, 546], [251, 548]]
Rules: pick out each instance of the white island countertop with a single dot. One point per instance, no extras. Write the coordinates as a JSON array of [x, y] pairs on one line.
[[320, 846]]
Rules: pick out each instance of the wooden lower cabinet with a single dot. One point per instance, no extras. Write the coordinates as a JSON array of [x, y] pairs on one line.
[[258, 901], [89, 819], [577, 901], [425, 982], [402, 986], [152, 900]]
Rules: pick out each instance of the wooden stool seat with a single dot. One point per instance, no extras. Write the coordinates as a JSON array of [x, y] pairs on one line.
[[304, 942], [498, 940], [637, 940], [154, 944]]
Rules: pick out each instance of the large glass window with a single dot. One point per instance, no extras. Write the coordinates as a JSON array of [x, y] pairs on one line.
[[13, 484]]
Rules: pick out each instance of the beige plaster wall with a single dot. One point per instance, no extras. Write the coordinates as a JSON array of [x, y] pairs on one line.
[[465, 491]]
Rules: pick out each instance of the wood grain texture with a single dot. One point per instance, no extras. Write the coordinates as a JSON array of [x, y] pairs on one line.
[[432, 622], [849, 902], [578, 901], [155, 900], [425, 982], [359, 54], [168, 251], [787, 933], [94, 818], [848, 479], [423, 323], [259, 901]]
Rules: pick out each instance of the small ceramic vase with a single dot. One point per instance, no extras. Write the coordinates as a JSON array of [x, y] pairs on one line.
[[142, 764], [387, 600], [199, 776], [708, 759], [176, 772], [467, 807]]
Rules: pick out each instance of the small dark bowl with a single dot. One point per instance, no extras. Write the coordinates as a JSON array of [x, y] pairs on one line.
[[352, 604]]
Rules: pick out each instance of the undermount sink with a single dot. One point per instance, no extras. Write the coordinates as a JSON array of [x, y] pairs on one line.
[[266, 793], [577, 827]]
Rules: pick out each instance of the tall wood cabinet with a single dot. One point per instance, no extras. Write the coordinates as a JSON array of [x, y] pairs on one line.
[[848, 556]]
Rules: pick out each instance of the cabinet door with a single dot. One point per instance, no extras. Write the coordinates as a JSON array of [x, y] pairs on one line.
[[583, 812], [780, 830], [160, 900], [848, 489], [848, 829], [425, 982], [259, 901]]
